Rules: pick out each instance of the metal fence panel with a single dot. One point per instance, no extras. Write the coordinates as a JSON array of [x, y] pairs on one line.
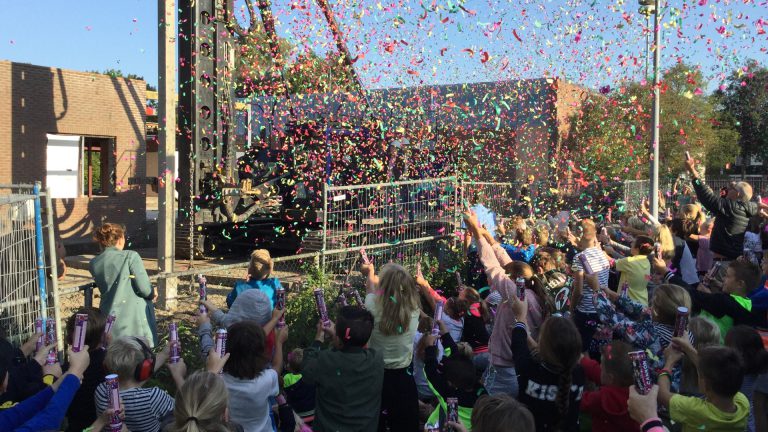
[[23, 269], [388, 219]]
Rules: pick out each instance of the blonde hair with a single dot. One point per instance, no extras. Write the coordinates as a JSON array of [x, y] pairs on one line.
[[664, 237], [666, 299], [108, 234], [123, 355], [200, 404], [398, 299], [260, 266]]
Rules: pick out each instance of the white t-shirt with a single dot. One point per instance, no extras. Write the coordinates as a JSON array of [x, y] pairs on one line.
[[397, 348], [249, 400]]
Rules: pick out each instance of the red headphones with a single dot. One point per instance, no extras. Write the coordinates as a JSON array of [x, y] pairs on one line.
[[144, 369]]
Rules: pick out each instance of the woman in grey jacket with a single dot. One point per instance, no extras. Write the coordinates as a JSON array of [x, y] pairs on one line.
[[125, 289]]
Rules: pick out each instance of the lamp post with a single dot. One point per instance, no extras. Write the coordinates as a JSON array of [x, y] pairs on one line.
[[648, 7]]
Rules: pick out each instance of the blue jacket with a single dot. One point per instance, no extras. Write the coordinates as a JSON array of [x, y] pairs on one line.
[[43, 411], [268, 286], [759, 295], [519, 253]]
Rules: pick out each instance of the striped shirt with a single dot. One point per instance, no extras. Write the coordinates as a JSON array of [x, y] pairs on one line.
[[600, 266], [144, 407]]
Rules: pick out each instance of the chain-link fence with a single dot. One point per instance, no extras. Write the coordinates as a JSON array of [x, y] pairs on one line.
[[28, 288]]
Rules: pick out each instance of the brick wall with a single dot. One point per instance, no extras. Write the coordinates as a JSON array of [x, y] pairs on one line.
[[37, 100]]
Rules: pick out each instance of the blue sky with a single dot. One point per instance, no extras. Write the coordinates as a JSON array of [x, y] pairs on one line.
[[404, 42]]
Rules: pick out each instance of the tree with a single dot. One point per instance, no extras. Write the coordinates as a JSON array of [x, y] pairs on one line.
[[260, 70], [743, 105], [610, 135]]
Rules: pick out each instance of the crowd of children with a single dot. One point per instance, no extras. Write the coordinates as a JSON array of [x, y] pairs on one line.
[[544, 336]]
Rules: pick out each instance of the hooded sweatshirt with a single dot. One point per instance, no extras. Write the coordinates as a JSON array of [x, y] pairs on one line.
[[608, 404]]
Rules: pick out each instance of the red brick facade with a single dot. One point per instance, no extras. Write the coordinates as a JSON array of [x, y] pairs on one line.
[[36, 101]]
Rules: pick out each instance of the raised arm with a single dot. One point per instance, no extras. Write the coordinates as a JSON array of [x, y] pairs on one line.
[[371, 280]]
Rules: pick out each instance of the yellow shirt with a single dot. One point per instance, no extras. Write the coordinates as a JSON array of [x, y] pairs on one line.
[[635, 270], [697, 414]]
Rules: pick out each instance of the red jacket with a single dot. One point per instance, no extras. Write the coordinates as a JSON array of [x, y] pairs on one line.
[[608, 405]]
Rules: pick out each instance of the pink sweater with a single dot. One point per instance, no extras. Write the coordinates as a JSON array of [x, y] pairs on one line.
[[499, 345]]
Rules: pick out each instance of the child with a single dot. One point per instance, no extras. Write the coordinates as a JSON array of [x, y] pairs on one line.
[[134, 362], [704, 255], [349, 377], [753, 245], [496, 414], [420, 343], [608, 404], [748, 343], [552, 383], [732, 306], [704, 333], [259, 277], [759, 295], [642, 327], [583, 297], [249, 380], [521, 246], [251, 305], [636, 269], [83, 413], [201, 405], [300, 394], [475, 332], [720, 376], [45, 410], [456, 378]]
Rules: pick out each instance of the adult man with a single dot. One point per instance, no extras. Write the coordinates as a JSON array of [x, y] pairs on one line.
[[732, 213]]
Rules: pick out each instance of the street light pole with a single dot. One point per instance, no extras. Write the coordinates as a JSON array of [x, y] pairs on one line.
[[656, 110], [648, 7]]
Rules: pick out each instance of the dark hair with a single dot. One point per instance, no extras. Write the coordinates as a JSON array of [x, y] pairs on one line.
[[616, 362], [94, 330], [354, 326], [108, 234], [560, 349], [460, 372], [499, 412], [721, 369], [644, 244], [245, 344], [746, 272], [749, 344]]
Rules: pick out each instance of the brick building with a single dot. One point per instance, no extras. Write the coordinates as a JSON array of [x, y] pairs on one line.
[[82, 135]]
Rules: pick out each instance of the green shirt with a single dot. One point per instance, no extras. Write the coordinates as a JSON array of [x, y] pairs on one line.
[[726, 322], [697, 414], [635, 271]]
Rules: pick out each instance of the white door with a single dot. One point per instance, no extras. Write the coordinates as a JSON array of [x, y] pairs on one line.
[[63, 165]]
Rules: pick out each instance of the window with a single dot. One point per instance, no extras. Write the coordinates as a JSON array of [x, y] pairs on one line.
[[98, 173]]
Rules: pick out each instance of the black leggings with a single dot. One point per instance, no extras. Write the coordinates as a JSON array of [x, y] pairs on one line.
[[399, 402], [587, 325]]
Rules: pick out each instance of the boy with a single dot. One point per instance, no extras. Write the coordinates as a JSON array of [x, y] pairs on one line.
[[145, 408], [81, 414], [348, 377], [608, 404], [732, 306], [299, 393], [720, 376]]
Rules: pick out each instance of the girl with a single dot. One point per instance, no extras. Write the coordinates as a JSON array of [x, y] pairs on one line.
[[393, 299], [552, 383], [704, 256], [249, 380], [259, 277], [583, 300], [475, 332], [636, 269], [201, 405], [644, 328], [501, 376], [748, 343], [521, 246]]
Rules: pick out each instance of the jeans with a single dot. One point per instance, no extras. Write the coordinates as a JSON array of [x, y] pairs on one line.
[[500, 380]]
